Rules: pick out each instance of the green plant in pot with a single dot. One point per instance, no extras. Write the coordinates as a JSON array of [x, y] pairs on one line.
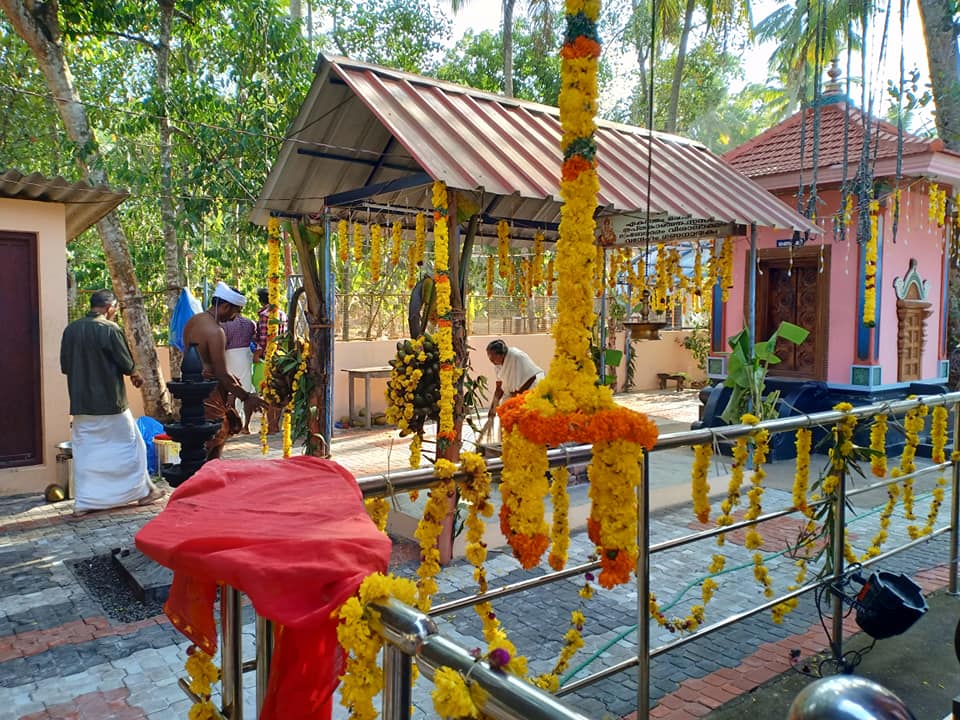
[[747, 372]]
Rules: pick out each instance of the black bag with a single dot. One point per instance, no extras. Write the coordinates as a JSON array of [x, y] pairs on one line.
[[888, 604]]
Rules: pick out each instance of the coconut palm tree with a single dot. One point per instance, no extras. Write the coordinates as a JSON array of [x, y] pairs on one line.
[[541, 15]]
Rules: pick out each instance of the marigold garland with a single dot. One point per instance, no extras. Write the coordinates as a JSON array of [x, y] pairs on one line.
[[343, 242], [203, 674], [503, 249], [878, 446], [937, 208], [446, 433], [429, 529], [560, 526], [379, 511], [451, 695], [938, 440], [363, 677], [700, 487], [536, 270], [725, 268], [870, 268], [489, 276], [913, 424], [740, 455], [273, 321], [376, 251], [396, 234]]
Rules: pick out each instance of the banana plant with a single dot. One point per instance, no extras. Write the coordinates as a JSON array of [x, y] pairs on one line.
[[747, 372]]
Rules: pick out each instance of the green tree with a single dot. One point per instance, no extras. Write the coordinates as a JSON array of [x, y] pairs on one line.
[[395, 33]]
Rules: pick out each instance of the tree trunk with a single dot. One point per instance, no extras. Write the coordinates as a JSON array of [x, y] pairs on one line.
[[508, 47], [173, 275], [40, 29], [671, 124], [943, 58]]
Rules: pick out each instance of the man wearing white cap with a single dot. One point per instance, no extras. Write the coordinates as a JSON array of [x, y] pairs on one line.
[[204, 330]]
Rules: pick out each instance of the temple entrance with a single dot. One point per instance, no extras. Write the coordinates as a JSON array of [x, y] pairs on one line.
[[912, 313], [795, 288], [21, 437]]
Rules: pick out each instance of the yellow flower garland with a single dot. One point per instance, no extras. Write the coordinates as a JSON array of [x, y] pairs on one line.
[[397, 243], [740, 455], [273, 321], [913, 424], [937, 209], [203, 674], [451, 695], [536, 273], [550, 278], [343, 242], [446, 433], [878, 446], [560, 527], [376, 257], [429, 529], [489, 276], [725, 269], [801, 478], [379, 511], [870, 268], [699, 485], [938, 439], [503, 249], [363, 678]]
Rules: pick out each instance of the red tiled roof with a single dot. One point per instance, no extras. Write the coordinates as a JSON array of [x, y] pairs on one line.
[[777, 151]]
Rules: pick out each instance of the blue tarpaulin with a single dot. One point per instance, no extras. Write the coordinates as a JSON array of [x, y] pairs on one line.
[[187, 306]]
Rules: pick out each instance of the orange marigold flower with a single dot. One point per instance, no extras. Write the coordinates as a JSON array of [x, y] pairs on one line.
[[574, 166], [581, 47]]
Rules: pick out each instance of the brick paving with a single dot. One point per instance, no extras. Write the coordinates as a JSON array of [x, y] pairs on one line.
[[61, 656]]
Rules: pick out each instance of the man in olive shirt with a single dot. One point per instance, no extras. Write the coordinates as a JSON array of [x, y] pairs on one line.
[[109, 455]]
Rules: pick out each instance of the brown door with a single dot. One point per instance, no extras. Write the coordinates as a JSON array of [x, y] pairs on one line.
[[912, 315], [21, 437], [795, 291]]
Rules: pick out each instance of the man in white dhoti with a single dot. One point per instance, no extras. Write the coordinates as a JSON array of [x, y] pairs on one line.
[[109, 455], [516, 373], [240, 333]]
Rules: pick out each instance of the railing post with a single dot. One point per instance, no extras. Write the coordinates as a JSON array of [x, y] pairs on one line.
[[839, 526], [643, 592], [231, 662], [954, 503], [396, 683], [264, 658]]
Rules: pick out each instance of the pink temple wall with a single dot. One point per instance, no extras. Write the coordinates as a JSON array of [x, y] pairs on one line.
[[916, 238]]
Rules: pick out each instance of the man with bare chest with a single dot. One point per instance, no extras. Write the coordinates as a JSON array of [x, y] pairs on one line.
[[204, 330]]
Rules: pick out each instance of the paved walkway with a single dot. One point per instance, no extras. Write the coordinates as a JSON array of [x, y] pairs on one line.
[[65, 653]]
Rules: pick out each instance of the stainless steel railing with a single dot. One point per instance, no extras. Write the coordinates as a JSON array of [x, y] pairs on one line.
[[410, 634]]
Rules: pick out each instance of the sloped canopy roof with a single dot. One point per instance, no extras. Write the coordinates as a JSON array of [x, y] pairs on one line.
[[85, 205], [774, 157], [372, 139]]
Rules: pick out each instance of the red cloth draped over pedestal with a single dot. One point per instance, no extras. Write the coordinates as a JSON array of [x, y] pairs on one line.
[[293, 536]]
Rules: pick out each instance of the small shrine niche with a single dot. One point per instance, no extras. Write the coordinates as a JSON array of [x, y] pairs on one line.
[[913, 309]]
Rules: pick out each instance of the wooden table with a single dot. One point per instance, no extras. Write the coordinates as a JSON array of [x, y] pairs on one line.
[[382, 371]]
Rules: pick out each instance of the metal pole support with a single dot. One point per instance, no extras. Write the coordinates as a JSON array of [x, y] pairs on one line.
[[839, 525], [643, 592], [396, 684], [264, 658], [955, 505], [231, 661]]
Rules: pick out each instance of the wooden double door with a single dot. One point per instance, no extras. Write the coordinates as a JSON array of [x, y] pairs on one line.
[[794, 287]]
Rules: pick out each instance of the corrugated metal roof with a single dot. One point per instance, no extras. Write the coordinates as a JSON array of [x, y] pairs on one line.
[[841, 126], [362, 125], [84, 204]]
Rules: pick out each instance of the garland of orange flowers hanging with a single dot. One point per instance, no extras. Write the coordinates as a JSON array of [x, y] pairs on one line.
[[489, 276], [568, 405], [536, 272], [343, 241], [725, 268], [396, 246], [870, 268], [202, 673], [503, 249], [550, 278], [446, 433], [273, 322], [376, 258]]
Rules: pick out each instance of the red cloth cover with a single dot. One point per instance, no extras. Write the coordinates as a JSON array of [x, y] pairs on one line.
[[293, 536]]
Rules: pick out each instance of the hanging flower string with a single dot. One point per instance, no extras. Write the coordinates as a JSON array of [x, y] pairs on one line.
[[938, 440], [878, 446], [343, 242], [203, 674], [870, 269], [567, 405], [446, 434], [700, 488], [273, 323]]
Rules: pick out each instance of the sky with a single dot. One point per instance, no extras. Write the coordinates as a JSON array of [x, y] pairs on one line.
[[481, 15]]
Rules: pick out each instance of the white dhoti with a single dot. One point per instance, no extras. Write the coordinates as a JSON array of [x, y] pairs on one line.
[[109, 461], [240, 363]]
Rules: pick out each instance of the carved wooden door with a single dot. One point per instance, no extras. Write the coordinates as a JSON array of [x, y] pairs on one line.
[[794, 291], [912, 315]]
